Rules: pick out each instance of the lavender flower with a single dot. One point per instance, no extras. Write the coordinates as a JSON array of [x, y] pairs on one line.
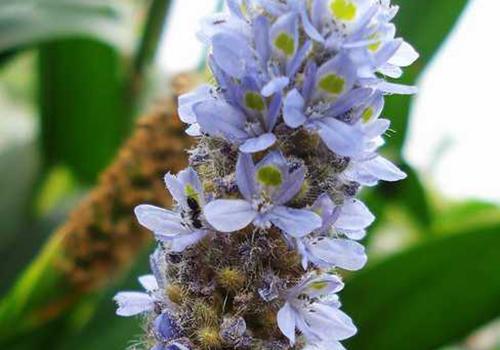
[[327, 250], [288, 134], [313, 308], [266, 188], [134, 303], [185, 227]]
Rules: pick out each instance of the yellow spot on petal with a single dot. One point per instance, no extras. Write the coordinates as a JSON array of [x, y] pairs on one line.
[[254, 101], [285, 43], [269, 176], [343, 10], [320, 285], [332, 84], [190, 192], [367, 114], [376, 45]]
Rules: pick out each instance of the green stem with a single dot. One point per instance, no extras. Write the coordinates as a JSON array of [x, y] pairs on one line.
[[153, 29]]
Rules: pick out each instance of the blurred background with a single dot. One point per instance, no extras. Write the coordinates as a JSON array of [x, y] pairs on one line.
[[88, 127]]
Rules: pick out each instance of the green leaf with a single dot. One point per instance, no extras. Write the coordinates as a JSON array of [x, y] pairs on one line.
[[29, 22], [456, 216], [106, 330], [146, 51], [428, 296], [19, 168], [409, 194], [84, 115], [153, 28], [425, 24]]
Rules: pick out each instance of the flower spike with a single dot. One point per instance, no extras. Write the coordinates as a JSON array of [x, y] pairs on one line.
[[266, 216]]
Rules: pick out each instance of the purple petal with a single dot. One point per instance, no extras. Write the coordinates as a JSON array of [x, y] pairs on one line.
[[273, 111], [261, 34], [309, 27], [325, 208], [187, 101], [293, 109], [232, 53], [220, 119], [309, 80], [275, 85], [245, 176], [286, 24], [295, 222], [341, 138], [294, 65], [258, 144], [290, 187]]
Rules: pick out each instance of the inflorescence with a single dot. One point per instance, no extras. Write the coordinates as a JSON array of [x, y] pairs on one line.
[[266, 214]]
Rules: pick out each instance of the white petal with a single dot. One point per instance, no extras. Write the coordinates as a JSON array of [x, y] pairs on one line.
[[162, 222], [343, 253], [286, 322], [133, 303], [330, 323], [227, 215], [274, 86], [354, 215], [194, 130], [405, 56], [399, 89], [181, 242], [384, 169], [149, 283]]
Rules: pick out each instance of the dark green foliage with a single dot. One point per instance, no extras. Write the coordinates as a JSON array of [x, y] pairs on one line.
[[425, 24], [429, 296], [83, 110]]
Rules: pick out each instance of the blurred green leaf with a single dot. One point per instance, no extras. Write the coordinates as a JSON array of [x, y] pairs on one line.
[[29, 22], [106, 330], [428, 296], [425, 24], [19, 167], [456, 216], [153, 28], [84, 115], [410, 195], [35, 287]]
